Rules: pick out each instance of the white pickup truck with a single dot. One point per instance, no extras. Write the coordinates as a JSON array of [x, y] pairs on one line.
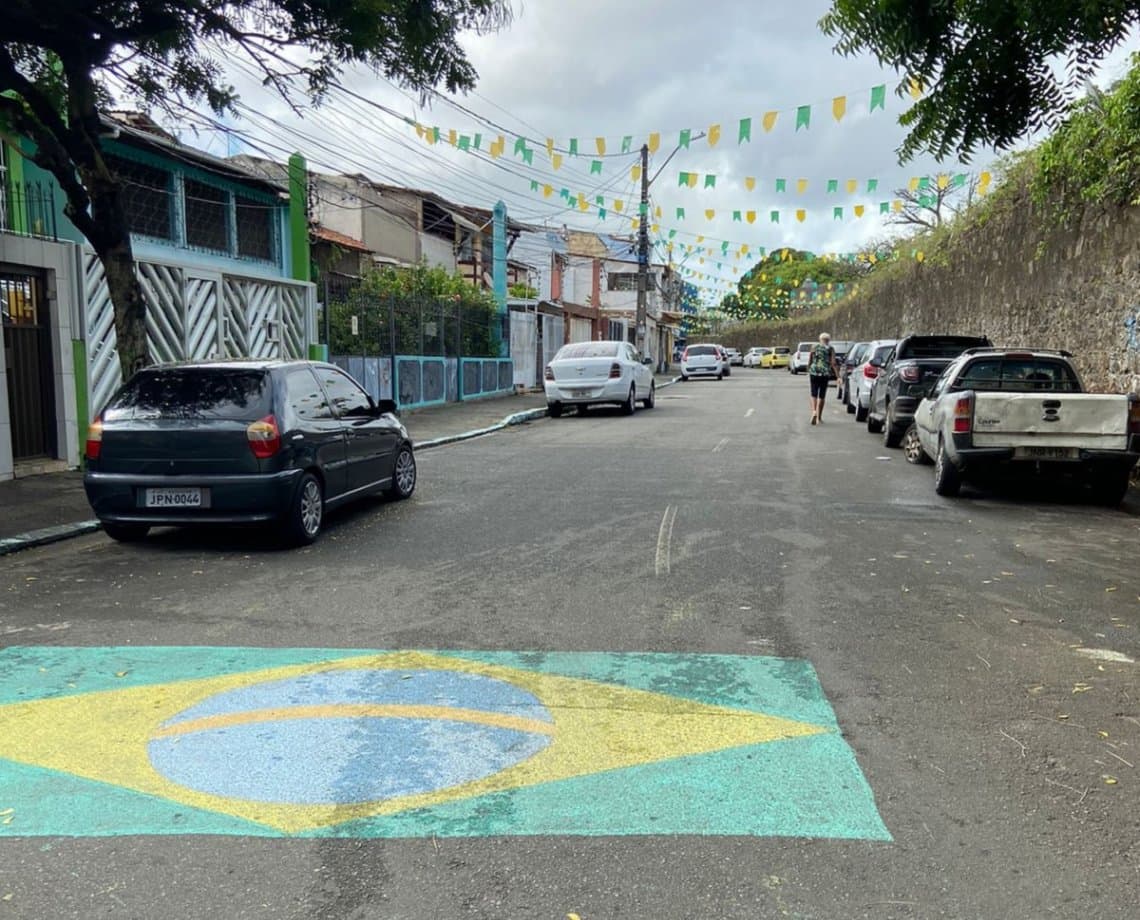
[[1024, 411]]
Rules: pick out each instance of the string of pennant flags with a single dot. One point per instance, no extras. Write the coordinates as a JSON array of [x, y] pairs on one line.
[[524, 147], [942, 182]]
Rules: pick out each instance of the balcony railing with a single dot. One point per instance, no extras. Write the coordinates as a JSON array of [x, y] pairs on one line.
[[28, 209]]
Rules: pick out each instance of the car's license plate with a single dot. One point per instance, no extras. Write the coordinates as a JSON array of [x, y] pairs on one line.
[[175, 498], [1046, 453]]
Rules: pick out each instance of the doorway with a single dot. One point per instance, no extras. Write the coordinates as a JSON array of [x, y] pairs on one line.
[[27, 365]]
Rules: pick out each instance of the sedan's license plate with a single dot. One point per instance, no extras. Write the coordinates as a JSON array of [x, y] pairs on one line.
[[174, 498], [1046, 453]]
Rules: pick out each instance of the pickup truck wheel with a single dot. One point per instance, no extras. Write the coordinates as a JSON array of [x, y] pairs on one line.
[[1110, 490], [947, 479], [891, 434], [912, 447]]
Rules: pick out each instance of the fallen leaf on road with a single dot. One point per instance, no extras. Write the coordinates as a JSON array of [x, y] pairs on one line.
[[1110, 780], [1103, 734], [1081, 687], [1013, 620], [1062, 716], [1110, 590]]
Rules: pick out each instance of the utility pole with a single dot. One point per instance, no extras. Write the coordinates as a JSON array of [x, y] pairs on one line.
[[643, 251]]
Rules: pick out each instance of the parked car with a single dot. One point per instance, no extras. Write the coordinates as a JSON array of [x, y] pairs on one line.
[[800, 358], [841, 347], [851, 360], [754, 357], [241, 442], [777, 357], [1024, 412], [735, 357], [725, 360], [915, 362], [584, 374], [703, 360], [862, 377]]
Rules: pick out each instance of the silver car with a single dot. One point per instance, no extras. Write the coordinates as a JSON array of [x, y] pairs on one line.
[[585, 374], [704, 360], [801, 357], [861, 378]]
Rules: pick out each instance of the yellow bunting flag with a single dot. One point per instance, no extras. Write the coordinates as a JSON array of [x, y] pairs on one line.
[[801, 214], [693, 177], [654, 142], [635, 223], [749, 216], [700, 238], [852, 185], [654, 228], [750, 182], [496, 148], [547, 191], [710, 214], [550, 147], [769, 121], [452, 137], [419, 130], [914, 88], [920, 256], [582, 203], [714, 135], [912, 184], [943, 182], [635, 173], [601, 145], [896, 205], [801, 186], [700, 260], [839, 107], [619, 205], [657, 211], [859, 209], [984, 183], [556, 162]]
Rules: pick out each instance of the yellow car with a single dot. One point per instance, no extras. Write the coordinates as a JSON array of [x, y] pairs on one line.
[[777, 357]]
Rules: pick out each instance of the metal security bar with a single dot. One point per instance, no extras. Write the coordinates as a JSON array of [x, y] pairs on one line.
[[28, 209]]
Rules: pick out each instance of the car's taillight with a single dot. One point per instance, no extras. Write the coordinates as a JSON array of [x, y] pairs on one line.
[[548, 374], [685, 355], [1134, 415], [615, 370], [870, 372], [94, 439], [964, 415], [264, 437], [910, 374]]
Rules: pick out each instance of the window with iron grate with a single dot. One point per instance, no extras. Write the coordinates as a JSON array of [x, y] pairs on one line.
[[147, 194], [207, 216], [254, 228]]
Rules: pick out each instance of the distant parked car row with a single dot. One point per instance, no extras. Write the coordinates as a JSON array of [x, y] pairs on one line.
[[978, 412]]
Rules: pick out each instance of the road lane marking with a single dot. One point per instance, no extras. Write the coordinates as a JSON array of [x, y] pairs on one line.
[[748, 414], [661, 564], [720, 445]]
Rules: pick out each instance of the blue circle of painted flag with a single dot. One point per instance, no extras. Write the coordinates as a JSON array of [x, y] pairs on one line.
[[349, 736]]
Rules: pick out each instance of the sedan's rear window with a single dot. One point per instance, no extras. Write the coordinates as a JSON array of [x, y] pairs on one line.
[[193, 393], [693, 350], [587, 350]]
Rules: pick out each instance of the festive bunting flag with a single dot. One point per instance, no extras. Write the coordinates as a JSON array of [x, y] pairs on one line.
[[477, 142], [839, 107], [800, 215], [419, 131], [684, 138], [878, 96], [803, 117], [464, 142], [599, 199], [710, 214], [832, 185], [770, 121], [654, 228], [710, 181], [859, 209], [627, 143], [943, 182], [852, 184], [872, 185], [528, 156], [549, 147], [927, 201], [496, 149], [534, 185], [556, 162], [745, 133], [643, 208], [781, 185], [600, 143], [582, 203], [751, 218], [520, 145], [924, 182], [984, 182], [801, 186], [619, 205], [714, 135], [453, 137], [896, 205], [634, 224], [653, 142], [573, 146], [700, 238], [737, 216], [635, 173], [547, 191], [884, 207], [750, 182], [774, 216], [837, 213], [912, 183], [595, 167], [914, 88], [680, 213]]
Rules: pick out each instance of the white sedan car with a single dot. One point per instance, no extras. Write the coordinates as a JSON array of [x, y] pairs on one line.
[[585, 374]]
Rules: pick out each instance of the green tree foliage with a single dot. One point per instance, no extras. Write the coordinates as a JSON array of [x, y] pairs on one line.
[[413, 311], [1094, 157], [986, 67], [57, 59], [772, 288], [522, 291]]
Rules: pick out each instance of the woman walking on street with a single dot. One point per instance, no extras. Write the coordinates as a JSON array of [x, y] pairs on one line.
[[821, 366]]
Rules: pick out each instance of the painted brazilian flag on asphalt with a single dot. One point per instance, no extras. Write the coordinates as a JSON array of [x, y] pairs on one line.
[[349, 743]]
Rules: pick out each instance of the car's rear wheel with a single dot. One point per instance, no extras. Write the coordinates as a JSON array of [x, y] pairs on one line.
[[1109, 490], [403, 475], [126, 533], [947, 479], [891, 434], [651, 400], [307, 513], [554, 410], [860, 413], [684, 378], [873, 425], [584, 409], [850, 407], [912, 447], [720, 376], [630, 404]]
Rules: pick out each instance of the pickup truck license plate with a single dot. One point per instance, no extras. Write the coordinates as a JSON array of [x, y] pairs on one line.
[[1045, 453], [174, 498]]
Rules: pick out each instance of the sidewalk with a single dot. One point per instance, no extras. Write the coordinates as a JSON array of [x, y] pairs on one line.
[[42, 509]]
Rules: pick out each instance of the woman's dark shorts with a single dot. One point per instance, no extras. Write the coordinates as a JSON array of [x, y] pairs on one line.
[[819, 385]]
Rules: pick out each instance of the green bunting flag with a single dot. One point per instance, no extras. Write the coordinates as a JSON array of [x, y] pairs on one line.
[[775, 217], [595, 167], [745, 130], [573, 146], [626, 144], [683, 141], [477, 142], [565, 193], [781, 185], [710, 181], [884, 207], [643, 208], [737, 216], [959, 180], [872, 185], [534, 185], [682, 180], [528, 156], [435, 135], [803, 117], [837, 213], [600, 199], [924, 182], [832, 186], [520, 145], [464, 142], [602, 213], [927, 201], [680, 213], [673, 233], [878, 97]]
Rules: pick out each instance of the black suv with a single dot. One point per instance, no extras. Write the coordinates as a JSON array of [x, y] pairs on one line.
[[241, 442], [904, 376]]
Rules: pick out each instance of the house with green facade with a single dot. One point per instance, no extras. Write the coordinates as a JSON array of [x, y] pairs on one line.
[[214, 257]]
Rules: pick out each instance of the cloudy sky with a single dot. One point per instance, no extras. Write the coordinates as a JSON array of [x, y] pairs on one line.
[[616, 68]]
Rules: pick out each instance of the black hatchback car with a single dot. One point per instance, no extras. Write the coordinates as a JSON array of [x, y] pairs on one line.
[[242, 442]]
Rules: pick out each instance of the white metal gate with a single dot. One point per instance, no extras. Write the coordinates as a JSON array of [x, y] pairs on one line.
[[524, 348]]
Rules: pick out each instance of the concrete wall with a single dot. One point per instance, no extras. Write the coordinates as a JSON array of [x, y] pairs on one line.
[[1015, 276]]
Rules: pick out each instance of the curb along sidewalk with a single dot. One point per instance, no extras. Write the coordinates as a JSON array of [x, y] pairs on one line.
[[36, 510]]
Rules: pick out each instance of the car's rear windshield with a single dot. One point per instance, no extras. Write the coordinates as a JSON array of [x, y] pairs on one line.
[[782, 350], [881, 352], [701, 350], [588, 350], [204, 393], [938, 346], [1018, 375], [804, 346]]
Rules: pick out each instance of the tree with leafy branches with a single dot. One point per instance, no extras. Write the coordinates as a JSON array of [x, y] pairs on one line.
[[988, 70], [59, 61]]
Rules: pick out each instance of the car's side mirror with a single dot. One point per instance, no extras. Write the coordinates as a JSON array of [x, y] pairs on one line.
[[876, 362], [648, 359], [387, 407]]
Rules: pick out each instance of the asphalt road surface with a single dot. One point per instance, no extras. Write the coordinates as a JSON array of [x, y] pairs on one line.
[[705, 662]]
